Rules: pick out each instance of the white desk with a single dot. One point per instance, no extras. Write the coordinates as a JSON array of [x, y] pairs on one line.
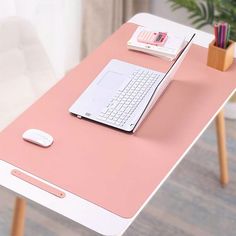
[[74, 207]]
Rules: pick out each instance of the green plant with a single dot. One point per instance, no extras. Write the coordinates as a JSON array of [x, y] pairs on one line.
[[207, 12]]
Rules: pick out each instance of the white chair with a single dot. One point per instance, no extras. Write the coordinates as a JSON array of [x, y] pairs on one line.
[[25, 70], [25, 74]]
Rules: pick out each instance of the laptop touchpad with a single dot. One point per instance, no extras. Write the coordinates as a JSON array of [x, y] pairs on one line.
[[111, 80]]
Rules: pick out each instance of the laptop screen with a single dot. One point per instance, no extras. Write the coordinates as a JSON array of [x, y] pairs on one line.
[[164, 82]]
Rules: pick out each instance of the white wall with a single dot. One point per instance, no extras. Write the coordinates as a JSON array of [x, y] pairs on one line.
[[73, 18], [58, 25], [162, 8]]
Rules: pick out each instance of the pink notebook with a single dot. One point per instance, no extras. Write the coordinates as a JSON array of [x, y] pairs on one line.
[[115, 170]]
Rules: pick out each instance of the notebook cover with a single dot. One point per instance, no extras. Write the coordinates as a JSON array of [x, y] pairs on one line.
[[112, 169]]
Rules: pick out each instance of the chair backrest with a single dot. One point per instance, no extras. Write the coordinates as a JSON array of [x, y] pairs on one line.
[[25, 70]]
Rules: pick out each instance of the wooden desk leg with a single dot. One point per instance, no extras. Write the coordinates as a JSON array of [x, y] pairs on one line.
[[19, 218], [222, 152]]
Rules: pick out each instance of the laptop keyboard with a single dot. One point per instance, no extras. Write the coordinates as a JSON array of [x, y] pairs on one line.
[[125, 101]]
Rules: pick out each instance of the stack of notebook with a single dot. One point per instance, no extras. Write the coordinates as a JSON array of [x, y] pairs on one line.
[[168, 49]]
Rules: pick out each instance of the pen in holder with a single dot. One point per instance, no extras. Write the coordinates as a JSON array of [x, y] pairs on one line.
[[221, 50], [220, 58]]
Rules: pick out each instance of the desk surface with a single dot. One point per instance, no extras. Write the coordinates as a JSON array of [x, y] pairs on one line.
[[113, 174]]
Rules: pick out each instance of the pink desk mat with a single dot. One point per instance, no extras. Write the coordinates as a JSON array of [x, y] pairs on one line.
[[115, 170]]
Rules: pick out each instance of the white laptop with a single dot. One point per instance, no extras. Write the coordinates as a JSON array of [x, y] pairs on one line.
[[122, 94]]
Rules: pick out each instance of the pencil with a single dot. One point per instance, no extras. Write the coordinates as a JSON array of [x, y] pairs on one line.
[[225, 34], [219, 35], [228, 35], [216, 34], [222, 35]]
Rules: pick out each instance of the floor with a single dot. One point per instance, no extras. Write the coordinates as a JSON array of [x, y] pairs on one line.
[[191, 202]]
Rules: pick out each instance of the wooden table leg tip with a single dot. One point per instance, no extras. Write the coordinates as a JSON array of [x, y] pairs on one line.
[[224, 184]]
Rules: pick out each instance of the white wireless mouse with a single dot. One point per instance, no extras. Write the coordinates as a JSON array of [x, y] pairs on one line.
[[38, 137]]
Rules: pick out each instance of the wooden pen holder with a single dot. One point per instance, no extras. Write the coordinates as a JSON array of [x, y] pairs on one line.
[[220, 58]]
